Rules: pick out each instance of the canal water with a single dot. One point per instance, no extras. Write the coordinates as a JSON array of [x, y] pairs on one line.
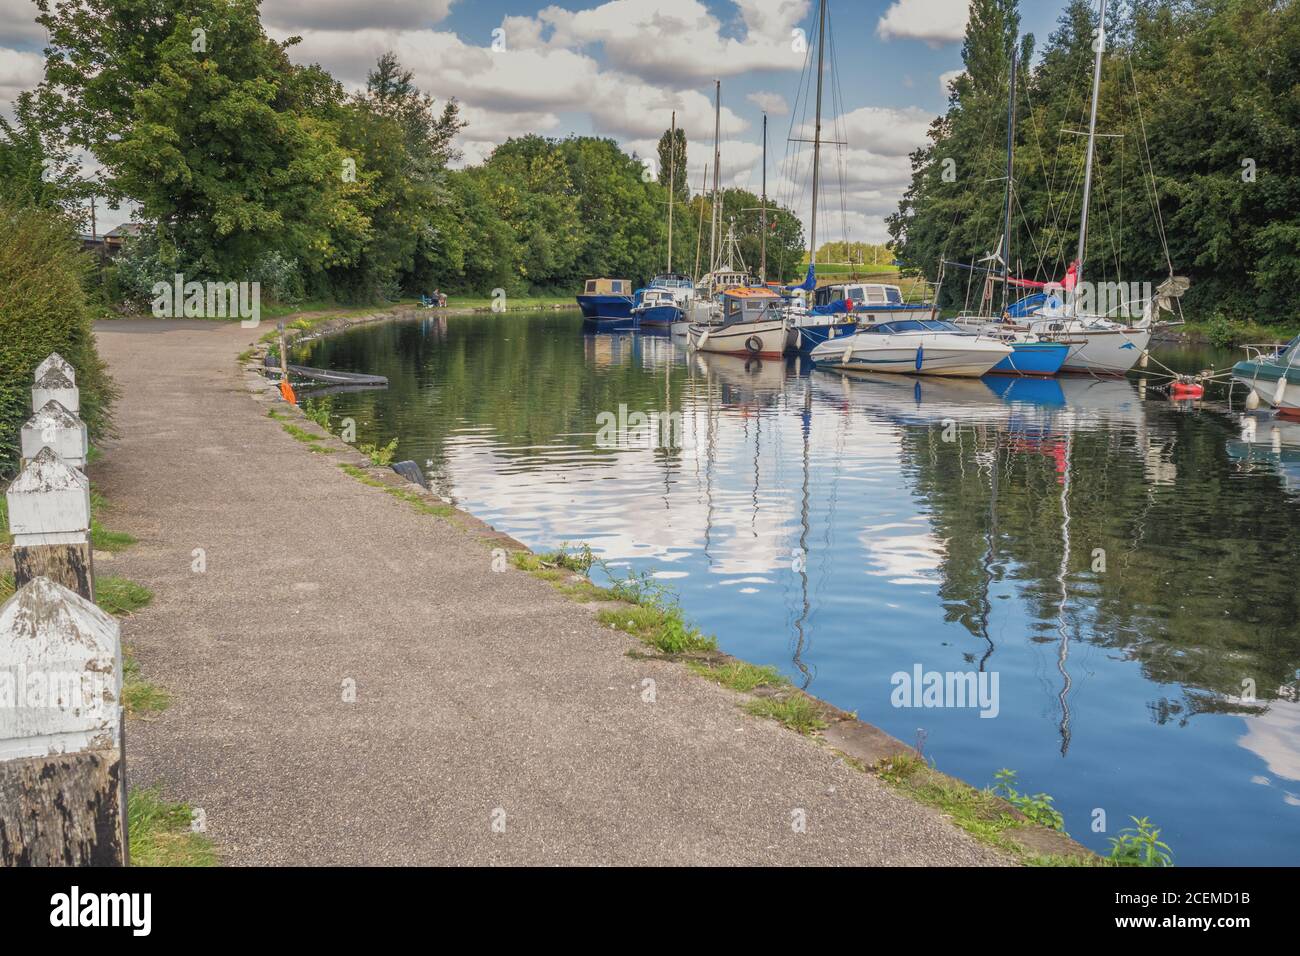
[[1123, 565]]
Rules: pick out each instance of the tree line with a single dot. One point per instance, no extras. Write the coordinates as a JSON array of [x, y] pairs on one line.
[[1200, 152], [247, 166]]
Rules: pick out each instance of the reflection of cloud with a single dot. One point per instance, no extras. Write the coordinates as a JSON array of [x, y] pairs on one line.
[[1275, 736], [904, 552]]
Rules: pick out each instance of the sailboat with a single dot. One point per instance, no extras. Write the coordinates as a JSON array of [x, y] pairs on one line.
[[1033, 353], [809, 327], [1100, 344], [723, 271], [667, 299]]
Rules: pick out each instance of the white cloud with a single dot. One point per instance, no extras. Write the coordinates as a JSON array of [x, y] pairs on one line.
[[18, 24], [946, 78], [934, 21], [669, 40], [773, 103], [19, 71]]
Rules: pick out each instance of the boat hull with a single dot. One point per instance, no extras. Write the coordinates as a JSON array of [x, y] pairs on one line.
[[805, 338], [1099, 351], [866, 352], [1042, 359], [607, 311], [760, 339], [658, 318]]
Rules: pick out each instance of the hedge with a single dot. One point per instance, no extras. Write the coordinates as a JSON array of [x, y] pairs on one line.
[[43, 309]]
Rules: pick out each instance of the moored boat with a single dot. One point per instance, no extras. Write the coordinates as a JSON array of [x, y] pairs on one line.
[[657, 310], [913, 347], [1272, 373], [750, 321], [607, 304]]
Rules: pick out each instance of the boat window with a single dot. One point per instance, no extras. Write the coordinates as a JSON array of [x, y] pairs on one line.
[[591, 285], [875, 295], [894, 294], [616, 286], [854, 293]]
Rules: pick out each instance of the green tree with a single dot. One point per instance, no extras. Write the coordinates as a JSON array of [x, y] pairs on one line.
[[200, 118], [672, 160]]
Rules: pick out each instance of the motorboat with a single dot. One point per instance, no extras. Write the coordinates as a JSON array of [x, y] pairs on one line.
[[914, 347], [750, 320]]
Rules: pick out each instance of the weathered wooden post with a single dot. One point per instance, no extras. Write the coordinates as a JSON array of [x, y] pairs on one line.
[[62, 774], [49, 518], [54, 383], [56, 428]]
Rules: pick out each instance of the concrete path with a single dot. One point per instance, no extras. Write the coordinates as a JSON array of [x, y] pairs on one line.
[[476, 692]]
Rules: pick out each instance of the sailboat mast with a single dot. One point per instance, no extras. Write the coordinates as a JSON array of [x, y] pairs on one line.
[[1092, 140], [672, 182], [817, 129], [762, 265], [715, 224], [699, 230], [1011, 155]]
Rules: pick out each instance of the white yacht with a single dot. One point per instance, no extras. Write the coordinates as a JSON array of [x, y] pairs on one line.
[[914, 347]]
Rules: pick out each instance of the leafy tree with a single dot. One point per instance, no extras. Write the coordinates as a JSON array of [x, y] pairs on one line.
[[201, 118], [672, 163]]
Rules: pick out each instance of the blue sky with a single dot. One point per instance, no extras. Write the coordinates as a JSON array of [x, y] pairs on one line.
[[620, 67]]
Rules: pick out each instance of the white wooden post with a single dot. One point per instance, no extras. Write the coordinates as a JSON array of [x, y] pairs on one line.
[[62, 774], [49, 518], [55, 360], [56, 428], [54, 383]]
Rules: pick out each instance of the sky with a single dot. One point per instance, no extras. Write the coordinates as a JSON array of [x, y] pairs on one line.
[[620, 68]]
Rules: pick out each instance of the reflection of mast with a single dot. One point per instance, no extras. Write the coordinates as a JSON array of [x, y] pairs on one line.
[[800, 637], [986, 606], [1063, 652]]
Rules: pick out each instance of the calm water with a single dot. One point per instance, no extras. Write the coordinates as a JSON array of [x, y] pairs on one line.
[[1123, 564]]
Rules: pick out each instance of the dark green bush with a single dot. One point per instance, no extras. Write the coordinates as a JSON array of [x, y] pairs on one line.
[[43, 309]]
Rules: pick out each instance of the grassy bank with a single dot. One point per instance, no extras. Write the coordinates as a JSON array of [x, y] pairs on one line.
[[163, 833]]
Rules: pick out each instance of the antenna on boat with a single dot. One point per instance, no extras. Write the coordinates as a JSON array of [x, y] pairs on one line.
[[1087, 174]]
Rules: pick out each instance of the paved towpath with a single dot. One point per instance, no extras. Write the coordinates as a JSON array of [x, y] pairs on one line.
[[477, 692]]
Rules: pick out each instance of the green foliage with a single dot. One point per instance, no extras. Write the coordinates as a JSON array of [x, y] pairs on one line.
[[1221, 332], [43, 309], [1140, 845], [796, 711], [1206, 86], [139, 696], [1037, 808], [738, 675], [380, 456], [121, 597], [162, 834]]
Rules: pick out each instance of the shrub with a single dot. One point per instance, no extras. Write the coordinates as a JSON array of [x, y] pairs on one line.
[[43, 309]]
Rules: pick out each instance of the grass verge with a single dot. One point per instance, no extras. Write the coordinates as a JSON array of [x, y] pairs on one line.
[[161, 833], [796, 711], [738, 675], [413, 499], [120, 597], [140, 697]]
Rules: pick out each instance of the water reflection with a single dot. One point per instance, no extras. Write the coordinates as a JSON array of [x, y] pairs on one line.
[[1122, 562]]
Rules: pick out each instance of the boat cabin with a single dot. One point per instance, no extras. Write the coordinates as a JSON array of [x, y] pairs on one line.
[[608, 287], [652, 297], [749, 304], [861, 294], [672, 280], [915, 325]]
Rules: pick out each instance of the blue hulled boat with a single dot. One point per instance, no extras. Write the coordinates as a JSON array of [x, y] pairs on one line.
[[607, 304]]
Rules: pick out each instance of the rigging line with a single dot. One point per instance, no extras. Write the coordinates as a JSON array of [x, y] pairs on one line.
[[1155, 202], [1030, 232]]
